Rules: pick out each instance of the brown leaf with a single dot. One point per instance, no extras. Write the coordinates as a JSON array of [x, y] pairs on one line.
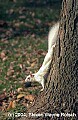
[[28, 62], [40, 52], [11, 11], [5, 58], [29, 97], [22, 17], [33, 64], [15, 1], [12, 104], [9, 106], [28, 25], [38, 21], [2, 55], [21, 66], [33, 35], [4, 106], [24, 104], [10, 72], [17, 24], [2, 96], [20, 96], [19, 90]]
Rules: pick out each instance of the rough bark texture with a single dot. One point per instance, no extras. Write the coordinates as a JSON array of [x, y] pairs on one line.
[[61, 92]]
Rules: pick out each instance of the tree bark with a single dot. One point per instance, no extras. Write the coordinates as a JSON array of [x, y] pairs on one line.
[[61, 91]]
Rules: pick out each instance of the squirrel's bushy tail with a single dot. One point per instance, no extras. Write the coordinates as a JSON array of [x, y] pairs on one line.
[[52, 36]]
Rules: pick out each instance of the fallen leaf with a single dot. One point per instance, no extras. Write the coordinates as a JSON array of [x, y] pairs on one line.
[[33, 64], [15, 1], [10, 72], [21, 66], [33, 35], [2, 96], [38, 21], [17, 24], [40, 52], [9, 106], [28, 25], [19, 90], [28, 62], [29, 97], [22, 17], [4, 106], [11, 11], [5, 58], [24, 104], [4, 90], [20, 96], [2, 55], [12, 104]]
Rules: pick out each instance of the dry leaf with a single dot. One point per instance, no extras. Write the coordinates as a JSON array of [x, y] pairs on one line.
[[38, 21], [28, 62], [10, 72], [40, 52], [28, 25], [20, 96], [24, 104], [5, 58], [19, 90], [13, 0], [29, 97], [12, 104], [4, 106], [33, 64], [17, 24], [21, 66], [22, 17], [2, 55], [11, 11], [33, 35], [2, 96]]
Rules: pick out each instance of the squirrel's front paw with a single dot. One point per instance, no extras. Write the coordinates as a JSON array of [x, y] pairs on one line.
[[41, 90], [28, 78]]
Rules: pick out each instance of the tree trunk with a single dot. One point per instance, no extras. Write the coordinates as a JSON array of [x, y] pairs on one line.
[[60, 94]]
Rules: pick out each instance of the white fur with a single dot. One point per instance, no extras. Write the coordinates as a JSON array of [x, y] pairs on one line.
[[39, 76]]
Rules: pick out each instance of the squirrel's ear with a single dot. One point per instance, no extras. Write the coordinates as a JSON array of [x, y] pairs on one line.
[[31, 75]]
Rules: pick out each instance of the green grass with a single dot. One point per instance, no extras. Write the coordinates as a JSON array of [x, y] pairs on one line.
[[33, 20], [18, 52]]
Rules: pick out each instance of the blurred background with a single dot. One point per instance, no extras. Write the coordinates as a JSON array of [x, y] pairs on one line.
[[23, 17]]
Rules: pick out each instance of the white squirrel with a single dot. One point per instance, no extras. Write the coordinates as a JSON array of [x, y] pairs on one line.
[[39, 76]]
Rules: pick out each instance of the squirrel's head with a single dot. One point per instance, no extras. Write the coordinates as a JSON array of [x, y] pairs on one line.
[[29, 78]]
